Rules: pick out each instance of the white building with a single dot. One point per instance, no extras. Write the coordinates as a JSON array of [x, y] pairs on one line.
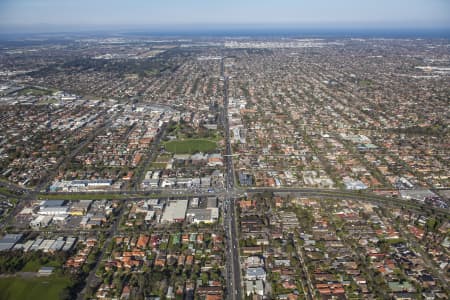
[[255, 273], [41, 221], [52, 211], [254, 287]]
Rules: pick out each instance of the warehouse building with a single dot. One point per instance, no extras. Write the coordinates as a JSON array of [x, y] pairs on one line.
[[175, 211]]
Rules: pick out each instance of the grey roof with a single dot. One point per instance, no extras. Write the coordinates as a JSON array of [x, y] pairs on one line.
[[199, 156], [212, 202], [175, 210], [52, 203], [9, 240]]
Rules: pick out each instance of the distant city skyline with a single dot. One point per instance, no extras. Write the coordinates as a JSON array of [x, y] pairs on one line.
[[57, 15]]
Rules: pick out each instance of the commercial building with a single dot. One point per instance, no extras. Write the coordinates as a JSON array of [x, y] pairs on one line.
[[175, 211], [198, 215], [255, 287], [255, 273]]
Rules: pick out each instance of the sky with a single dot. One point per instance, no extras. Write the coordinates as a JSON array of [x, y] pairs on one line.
[[72, 14]]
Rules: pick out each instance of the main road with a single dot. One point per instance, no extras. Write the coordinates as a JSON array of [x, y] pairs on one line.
[[233, 267]]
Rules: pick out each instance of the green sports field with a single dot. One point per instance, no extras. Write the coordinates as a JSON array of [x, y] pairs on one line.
[[190, 146], [45, 288]]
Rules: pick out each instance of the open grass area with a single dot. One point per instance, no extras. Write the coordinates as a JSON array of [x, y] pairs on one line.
[[34, 265], [33, 91], [31, 266], [45, 288], [157, 166], [163, 158], [190, 146]]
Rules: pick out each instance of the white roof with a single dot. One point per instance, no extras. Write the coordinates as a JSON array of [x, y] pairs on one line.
[[176, 210]]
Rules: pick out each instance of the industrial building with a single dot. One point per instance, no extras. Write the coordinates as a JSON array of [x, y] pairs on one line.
[[175, 211], [9, 240]]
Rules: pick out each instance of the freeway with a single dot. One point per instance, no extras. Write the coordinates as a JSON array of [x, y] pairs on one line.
[[355, 195], [238, 192]]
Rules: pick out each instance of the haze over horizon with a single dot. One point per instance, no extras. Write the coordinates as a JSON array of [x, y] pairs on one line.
[[53, 15]]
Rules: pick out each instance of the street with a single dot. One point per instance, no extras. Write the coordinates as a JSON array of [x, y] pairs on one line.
[[234, 283]]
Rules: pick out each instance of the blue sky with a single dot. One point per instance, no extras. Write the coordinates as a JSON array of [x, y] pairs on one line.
[[323, 13]]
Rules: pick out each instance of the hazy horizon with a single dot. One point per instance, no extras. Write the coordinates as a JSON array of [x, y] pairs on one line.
[[39, 16]]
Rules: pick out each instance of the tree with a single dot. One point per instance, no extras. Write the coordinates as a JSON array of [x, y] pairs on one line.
[[204, 277]]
